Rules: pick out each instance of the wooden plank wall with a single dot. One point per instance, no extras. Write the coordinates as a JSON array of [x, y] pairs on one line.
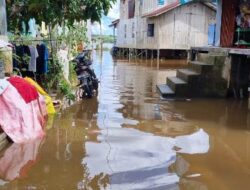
[[125, 38], [181, 28]]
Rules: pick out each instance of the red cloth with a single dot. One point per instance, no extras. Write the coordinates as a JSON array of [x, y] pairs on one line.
[[25, 89]]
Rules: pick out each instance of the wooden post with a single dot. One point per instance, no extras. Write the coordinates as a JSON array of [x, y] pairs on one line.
[[152, 57], [51, 45], [101, 45], [158, 58], [129, 55]]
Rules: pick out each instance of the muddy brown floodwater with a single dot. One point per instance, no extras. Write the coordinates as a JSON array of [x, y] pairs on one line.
[[128, 138]]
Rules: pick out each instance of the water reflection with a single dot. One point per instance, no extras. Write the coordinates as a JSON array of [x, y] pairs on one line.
[[18, 159], [138, 160]]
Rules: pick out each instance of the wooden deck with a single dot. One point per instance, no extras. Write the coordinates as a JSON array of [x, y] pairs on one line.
[[226, 51]]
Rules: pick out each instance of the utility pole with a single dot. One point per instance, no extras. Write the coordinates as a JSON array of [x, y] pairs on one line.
[[101, 36]]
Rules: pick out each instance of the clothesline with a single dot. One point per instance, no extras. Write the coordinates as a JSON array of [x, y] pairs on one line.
[[35, 40]]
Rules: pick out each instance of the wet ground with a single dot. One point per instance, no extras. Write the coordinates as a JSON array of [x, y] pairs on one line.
[[128, 138]]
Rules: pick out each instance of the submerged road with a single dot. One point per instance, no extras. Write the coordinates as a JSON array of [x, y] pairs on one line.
[[128, 138]]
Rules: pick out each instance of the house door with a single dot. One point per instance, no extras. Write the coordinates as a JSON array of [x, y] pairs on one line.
[[211, 34]]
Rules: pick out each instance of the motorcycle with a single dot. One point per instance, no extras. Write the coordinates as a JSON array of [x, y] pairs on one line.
[[86, 76]]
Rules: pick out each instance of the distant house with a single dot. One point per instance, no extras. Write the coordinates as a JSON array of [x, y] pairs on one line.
[[165, 24]]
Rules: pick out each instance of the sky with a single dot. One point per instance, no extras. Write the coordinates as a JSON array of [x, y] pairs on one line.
[[113, 14]]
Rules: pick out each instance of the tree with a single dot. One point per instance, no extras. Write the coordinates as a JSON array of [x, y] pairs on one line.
[[54, 12]]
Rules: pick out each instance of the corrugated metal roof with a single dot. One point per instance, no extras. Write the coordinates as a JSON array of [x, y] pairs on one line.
[[114, 23], [163, 9], [174, 5]]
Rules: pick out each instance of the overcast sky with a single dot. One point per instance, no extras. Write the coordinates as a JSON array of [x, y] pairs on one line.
[[106, 21]]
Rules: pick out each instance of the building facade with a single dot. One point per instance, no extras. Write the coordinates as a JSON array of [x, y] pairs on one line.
[[164, 24]]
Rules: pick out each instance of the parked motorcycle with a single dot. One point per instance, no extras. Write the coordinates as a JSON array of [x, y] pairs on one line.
[[86, 76]]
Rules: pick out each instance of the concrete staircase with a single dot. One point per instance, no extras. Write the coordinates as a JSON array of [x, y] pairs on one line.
[[188, 82]]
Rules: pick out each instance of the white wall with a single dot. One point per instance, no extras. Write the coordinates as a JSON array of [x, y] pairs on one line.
[[125, 31]]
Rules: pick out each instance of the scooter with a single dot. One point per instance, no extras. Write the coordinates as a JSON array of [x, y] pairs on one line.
[[86, 76]]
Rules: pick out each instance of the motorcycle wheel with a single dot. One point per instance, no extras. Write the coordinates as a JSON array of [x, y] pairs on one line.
[[95, 84], [87, 91]]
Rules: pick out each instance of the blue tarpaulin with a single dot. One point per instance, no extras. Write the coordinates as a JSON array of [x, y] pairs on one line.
[[184, 1], [161, 2]]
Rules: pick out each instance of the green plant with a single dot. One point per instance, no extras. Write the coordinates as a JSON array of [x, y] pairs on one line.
[[62, 12], [72, 74], [74, 35], [66, 90]]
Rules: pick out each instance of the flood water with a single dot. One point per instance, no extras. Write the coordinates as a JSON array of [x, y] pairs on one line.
[[128, 138]]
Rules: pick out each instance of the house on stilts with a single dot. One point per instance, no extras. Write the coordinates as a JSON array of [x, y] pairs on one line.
[[164, 28]]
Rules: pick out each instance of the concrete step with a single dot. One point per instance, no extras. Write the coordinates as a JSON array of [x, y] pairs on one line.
[[187, 75], [200, 67], [178, 85], [165, 91]]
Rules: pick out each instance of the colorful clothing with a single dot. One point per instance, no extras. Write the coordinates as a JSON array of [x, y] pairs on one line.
[[26, 90], [42, 59], [48, 99], [33, 57], [21, 121]]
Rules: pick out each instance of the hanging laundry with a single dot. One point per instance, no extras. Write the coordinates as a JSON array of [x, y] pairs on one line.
[[14, 59], [34, 56], [48, 99], [22, 122], [42, 59], [23, 53], [25, 89]]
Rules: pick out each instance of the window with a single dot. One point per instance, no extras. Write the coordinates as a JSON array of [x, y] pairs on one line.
[[151, 30], [131, 9]]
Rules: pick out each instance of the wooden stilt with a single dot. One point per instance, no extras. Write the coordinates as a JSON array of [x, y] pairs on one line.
[[158, 58], [129, 55]]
